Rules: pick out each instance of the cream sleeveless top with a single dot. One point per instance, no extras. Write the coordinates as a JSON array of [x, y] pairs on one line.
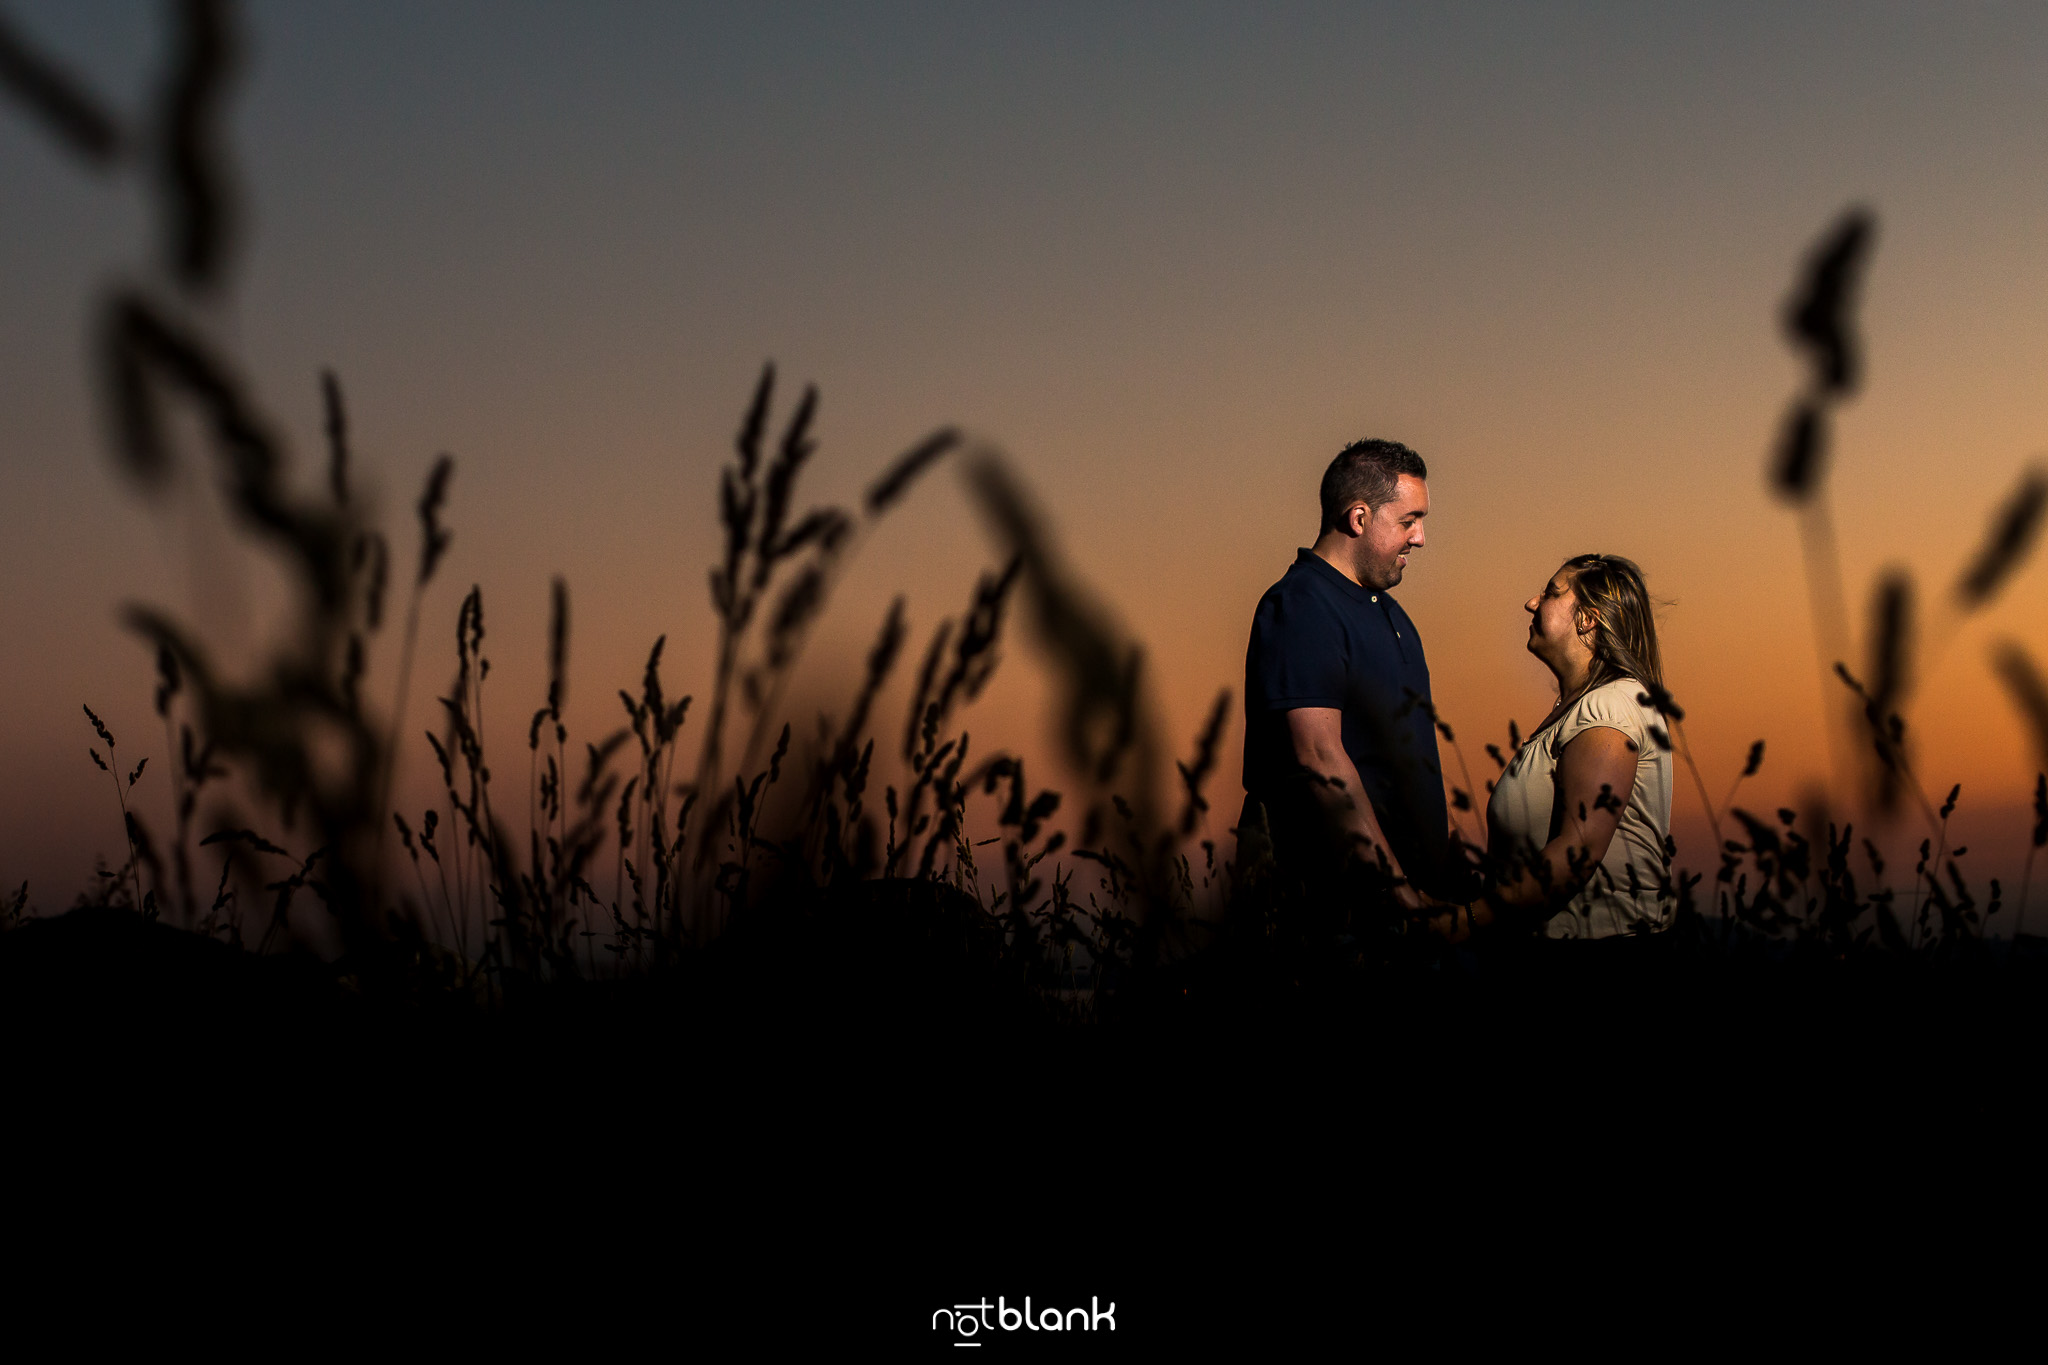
[[1630, 892]]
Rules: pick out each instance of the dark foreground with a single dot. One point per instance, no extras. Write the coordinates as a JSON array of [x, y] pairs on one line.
[[1224, 1134]]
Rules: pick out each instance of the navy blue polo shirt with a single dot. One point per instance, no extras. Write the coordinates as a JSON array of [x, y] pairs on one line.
[[1321, 640]]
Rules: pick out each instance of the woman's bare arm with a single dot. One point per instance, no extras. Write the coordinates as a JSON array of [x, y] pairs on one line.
[[1595, 775]]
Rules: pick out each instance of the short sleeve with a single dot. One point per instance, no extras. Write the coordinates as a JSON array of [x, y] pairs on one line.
[[1301, 659], [1612, 706]]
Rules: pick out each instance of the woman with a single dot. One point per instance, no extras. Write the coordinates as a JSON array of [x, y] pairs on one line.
[[1576, 830]]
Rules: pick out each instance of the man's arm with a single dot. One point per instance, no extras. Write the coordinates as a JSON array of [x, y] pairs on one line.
[[1596, 773], [1317, 733]]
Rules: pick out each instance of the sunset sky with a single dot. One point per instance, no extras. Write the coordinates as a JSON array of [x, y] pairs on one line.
[[1170, 258]]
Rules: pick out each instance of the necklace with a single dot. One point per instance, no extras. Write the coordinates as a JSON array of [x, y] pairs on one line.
[[1564, 702]]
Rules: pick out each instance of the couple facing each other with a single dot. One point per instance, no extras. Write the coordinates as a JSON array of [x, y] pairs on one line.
[[1337, 704]]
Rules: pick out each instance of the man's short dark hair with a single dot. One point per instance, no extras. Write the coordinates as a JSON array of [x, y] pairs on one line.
[[1366, 471]]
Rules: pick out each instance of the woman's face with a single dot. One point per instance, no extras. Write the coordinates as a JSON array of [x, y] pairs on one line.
[[1554, 634]]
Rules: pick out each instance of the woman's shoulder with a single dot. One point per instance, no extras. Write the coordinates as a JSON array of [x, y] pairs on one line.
[[1616, 694], [1619, 703]]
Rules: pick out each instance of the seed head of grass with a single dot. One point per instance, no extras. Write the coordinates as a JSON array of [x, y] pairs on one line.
[[57, 97], [1193, 775], [98, 728], [2011, 536], [558, 648], [198, 233], [337, 437], [1802, 451], [1818, 316], [1891, 638], [2023, 682], [434, 538], [897, 479]]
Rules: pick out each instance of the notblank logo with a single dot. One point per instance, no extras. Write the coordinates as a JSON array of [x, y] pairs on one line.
[[972, 1321]]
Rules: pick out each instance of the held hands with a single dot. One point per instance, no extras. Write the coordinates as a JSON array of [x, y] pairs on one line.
[[1450, 923], [1447, 921], [1455, 924]]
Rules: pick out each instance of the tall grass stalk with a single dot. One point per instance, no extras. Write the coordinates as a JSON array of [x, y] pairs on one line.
[[132, 867]]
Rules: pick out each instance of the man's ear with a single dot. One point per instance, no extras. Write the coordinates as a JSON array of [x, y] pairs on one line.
[[1357, 518]]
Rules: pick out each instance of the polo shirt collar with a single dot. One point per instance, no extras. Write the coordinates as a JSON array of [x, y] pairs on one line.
[[1318, 565]]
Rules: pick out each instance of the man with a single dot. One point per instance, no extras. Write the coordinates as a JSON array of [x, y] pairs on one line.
[[1340, 754]]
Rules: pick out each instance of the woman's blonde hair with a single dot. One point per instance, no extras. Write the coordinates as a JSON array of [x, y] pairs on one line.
[[1614, 600]]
